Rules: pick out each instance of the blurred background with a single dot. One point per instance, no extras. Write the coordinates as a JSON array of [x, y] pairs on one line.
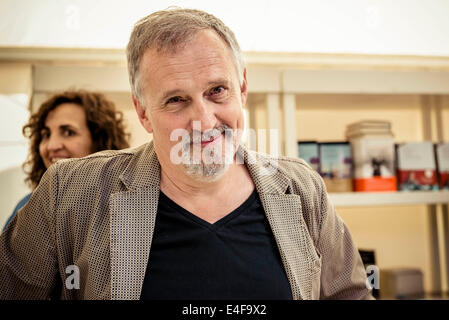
[[314, 67]]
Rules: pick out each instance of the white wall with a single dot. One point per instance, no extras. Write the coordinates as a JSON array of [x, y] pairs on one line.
[[415, 27], [12, 190], [15, 90], [13, 151]]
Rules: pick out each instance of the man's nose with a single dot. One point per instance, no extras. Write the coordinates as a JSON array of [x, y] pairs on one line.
[[204, 112]]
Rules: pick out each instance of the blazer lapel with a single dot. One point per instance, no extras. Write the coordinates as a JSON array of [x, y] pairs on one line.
[[132, 221], [284, 213], [285, 217]]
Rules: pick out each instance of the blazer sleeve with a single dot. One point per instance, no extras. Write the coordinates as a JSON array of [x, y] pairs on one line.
[[28, 260], [343, 275]]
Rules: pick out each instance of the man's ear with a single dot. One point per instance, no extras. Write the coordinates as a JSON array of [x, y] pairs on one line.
[[244, 88], [141, 113]]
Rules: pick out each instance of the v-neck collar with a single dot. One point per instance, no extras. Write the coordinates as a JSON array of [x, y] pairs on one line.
[[217, 224]]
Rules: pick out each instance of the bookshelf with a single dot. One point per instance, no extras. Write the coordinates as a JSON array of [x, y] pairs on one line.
[[358, 199], [308, 94]]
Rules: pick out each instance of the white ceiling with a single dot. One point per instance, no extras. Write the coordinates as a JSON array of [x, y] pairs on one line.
[[414, 27]]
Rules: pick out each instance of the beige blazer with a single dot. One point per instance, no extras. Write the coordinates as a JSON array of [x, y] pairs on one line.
[[98, 214]]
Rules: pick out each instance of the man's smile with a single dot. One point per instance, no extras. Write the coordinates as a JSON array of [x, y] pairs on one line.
[[211, 140]]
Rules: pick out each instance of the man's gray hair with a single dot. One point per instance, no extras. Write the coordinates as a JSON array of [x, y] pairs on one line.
[[169, 29]]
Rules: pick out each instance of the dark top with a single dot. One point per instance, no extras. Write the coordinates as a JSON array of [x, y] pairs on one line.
[[234, 258]]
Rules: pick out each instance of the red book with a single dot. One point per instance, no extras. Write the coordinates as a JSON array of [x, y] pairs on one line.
[[416, 167]]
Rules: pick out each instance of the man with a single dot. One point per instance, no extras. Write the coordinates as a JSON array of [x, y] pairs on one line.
[[150, 223]]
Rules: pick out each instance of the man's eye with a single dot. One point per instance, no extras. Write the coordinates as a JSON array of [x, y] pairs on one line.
[[174, 100], [217, 90]]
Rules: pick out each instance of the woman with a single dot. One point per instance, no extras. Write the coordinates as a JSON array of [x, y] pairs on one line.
[[71, 124]]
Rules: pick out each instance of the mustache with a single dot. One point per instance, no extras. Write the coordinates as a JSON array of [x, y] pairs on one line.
[[198, 136]]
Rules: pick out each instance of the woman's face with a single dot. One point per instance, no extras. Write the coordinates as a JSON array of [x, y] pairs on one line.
[[65, 134]]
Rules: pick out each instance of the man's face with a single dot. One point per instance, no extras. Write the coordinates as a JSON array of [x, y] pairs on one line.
[[195, 88]]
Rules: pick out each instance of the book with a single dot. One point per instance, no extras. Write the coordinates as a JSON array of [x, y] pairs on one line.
[[416, 166], [336, 166], [309, 151], [442, 161], [366, 132], [369, 260], [373, 158], [370, 124]]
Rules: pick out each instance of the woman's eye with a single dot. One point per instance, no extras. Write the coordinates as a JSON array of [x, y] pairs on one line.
[[45, 134], [69, 133]]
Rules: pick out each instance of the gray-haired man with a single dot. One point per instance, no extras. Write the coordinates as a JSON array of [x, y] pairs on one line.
[[147, 223]]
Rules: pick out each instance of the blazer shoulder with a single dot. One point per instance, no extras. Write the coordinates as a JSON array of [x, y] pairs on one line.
[[105, 156], [101, 164]]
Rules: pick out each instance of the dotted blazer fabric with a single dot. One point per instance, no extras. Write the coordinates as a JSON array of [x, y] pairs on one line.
[[98, 213]]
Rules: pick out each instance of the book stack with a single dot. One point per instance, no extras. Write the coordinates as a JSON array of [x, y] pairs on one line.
[[373, 155], [369, 128], [416, 166]]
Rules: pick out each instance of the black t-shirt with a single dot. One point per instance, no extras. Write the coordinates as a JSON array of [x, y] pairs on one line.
[[234, 258]]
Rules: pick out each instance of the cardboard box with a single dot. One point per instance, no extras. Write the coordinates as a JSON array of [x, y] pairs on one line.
[[401, 283]]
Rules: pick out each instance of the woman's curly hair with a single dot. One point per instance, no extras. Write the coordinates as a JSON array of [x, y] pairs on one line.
[[105, 124]]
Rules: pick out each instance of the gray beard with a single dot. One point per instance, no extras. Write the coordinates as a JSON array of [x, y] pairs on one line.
[[216, 163], [206, 172]]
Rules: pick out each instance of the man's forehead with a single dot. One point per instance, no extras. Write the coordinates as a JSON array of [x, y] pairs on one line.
[[195, 42], [205, 54], [167, 44]]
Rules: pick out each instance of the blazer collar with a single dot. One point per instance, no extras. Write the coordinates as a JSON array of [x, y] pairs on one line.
[[143, 170], [265, 171]]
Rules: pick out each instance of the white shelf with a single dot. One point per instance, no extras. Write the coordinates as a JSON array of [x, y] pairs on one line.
[[359, 199]]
